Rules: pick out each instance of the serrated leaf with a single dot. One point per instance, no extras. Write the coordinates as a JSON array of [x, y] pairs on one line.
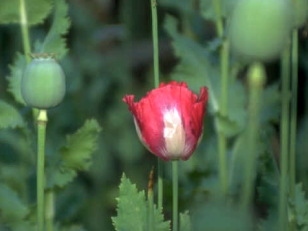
[[185, 224], [159, 223], [59, 176], [15, 77], [36, 11], [131, 208], [11, 207], [76, 154], [9, 116], [300, 207], [54, 41]]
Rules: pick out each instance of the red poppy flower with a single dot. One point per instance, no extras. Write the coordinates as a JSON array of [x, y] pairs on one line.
[[169, 119]]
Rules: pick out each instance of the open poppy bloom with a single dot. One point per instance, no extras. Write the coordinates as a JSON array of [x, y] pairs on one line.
[[169, 119]]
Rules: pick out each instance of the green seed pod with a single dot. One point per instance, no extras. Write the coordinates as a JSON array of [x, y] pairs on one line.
[[300, 12], [43, 83], [259, 29]]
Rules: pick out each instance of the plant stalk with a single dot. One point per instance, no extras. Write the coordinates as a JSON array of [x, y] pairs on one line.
[[151, 203], [256, 79], [41, 138], [222, 140], [293, 119], [284, 139], [24, 29], [156, 84], [49, 210], [175, 196]]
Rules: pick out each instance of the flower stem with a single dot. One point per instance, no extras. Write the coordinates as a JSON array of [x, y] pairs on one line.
[[222, 140], [24, 29], [175, 191], [41, 135], [150, 202], [155, 42], [219, 20], [256, 80], [160, 184], [284, 139], [49, 210], [156, 83], [293, 118], [224, 72]]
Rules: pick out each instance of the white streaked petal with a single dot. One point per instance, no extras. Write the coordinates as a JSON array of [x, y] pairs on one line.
[[174, 134]]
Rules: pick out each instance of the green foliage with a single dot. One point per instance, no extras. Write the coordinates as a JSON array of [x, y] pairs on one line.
[[185, 224], [270, 104], [9, 116], [15, 77], [207, 7], [54, 41], [197, 69], [219, 217], [76, 154], [36, 10], [133, 210], [299, 208], [271, 223], [12, 209]]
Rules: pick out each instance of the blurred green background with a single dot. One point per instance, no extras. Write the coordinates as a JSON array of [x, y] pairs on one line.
[[110, 55]]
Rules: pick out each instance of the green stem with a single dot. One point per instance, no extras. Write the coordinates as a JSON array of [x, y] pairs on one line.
[[41, 135], [156, 83], [222, 167], [224, 72], [256, 79], [155, 42], [293, 118], [24, 29], [160, 184], [293, 110], [224, 60], [219, 20], [284, 139], [49, 210], [151, 224], [175, 196]]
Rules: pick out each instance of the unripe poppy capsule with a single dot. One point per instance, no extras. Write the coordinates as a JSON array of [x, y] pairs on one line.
[[259, 29], [43, 83]]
